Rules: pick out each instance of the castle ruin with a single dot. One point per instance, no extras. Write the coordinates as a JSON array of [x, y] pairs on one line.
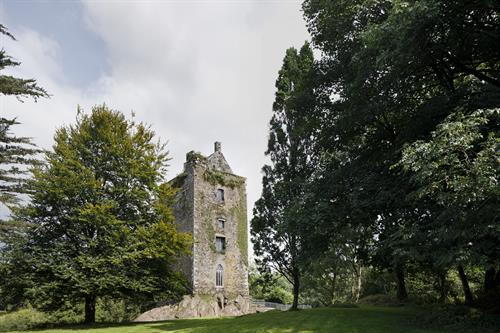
[[211, 206]]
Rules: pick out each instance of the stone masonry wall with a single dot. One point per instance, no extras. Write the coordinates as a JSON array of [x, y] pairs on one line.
[[207, 211], [197, 211], [183, 212]]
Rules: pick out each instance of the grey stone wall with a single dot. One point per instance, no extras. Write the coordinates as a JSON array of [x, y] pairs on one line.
[[197, 211]]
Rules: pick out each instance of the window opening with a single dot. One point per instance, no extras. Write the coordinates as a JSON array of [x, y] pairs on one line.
[[218, 276], [220, 244], [220, 195]]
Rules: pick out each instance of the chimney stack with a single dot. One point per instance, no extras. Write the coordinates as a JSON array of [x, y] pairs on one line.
[[217, 146]]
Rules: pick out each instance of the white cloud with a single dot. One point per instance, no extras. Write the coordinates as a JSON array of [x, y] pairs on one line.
[[197, 71]]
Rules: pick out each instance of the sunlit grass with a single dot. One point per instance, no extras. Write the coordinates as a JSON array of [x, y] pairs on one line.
[[364, 319]]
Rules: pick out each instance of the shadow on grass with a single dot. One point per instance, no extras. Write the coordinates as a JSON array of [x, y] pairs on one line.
[[352, 320], [364, 319]]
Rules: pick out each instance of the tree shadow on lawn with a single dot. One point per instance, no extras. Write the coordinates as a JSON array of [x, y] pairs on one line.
[[316, 320], [338, 320]]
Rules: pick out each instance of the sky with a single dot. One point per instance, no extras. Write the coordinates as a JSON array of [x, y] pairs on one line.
[[196, 71]]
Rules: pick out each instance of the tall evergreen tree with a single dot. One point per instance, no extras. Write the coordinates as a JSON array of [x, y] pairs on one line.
[[279, 212], [15, 152]]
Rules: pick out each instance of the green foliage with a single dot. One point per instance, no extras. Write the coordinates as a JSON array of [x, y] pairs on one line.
[[68, 314], [344, 305], [15, 152], [275, 228], [457, 319], [241, 220], [110, 310], [457, 167], [330, 278], [9, 85], [16, 155], [407, 94], [210, 231], [23, 319], [341, 320], [102, 217], [380, 300], [195, 157], [216, 177], [271, 288], [178, 181], [458, 170]]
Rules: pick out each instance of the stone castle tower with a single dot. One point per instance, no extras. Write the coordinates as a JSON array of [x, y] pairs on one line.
[[211, 206]]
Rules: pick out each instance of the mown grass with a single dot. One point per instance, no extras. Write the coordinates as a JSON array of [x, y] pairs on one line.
[[365, 319]]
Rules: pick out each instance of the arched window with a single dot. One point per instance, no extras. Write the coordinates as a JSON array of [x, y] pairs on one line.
[[220, 195], [219, 272]]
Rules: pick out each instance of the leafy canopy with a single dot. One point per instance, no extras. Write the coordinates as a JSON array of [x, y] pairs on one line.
[[101, 216]]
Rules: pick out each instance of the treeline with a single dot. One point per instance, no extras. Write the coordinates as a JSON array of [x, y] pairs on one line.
[[384, 153]]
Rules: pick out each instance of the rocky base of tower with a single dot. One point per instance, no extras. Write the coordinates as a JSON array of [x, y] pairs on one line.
[[198, 307]]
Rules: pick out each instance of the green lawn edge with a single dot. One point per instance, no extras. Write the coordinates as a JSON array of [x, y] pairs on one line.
[[364, 319]]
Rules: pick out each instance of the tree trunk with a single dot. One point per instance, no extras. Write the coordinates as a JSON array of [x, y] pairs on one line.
[[90, 309], [401, 293], [358, 282], [296, 288], [334, 285], [465, 285], [489, 280], [443, 288]]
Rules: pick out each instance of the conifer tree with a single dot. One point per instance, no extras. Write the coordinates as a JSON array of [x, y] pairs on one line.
[[15, 152]]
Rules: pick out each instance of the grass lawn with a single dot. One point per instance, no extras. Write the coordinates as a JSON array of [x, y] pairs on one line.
[[366, 319]]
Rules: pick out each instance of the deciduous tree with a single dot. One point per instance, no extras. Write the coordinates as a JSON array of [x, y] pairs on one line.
[[101, 216]]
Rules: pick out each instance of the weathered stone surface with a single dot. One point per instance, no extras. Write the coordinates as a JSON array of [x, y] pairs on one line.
[[198, 210], [217, 161], [196, 307]]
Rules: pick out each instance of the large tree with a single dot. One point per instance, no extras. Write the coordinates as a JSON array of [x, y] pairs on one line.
[[458, 169], [17, 154], [101, 216], [391, 72], [279, 213]]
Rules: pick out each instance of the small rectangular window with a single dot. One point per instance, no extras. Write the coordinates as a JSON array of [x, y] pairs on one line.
[[221, 223], [220, 244], [220, 195]]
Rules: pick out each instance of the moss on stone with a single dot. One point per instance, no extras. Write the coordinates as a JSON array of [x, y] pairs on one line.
[[215, 177], [178, 181], [207, 298], [241, 220], [194, 156], [210, 232]]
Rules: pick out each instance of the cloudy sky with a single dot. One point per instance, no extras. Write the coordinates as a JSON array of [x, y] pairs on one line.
[[197, 71]]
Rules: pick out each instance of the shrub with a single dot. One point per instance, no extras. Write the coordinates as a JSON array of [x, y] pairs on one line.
[[22, 320], [343, 305], [69, 313], [380, 299], [111, 310], [457, 318]]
